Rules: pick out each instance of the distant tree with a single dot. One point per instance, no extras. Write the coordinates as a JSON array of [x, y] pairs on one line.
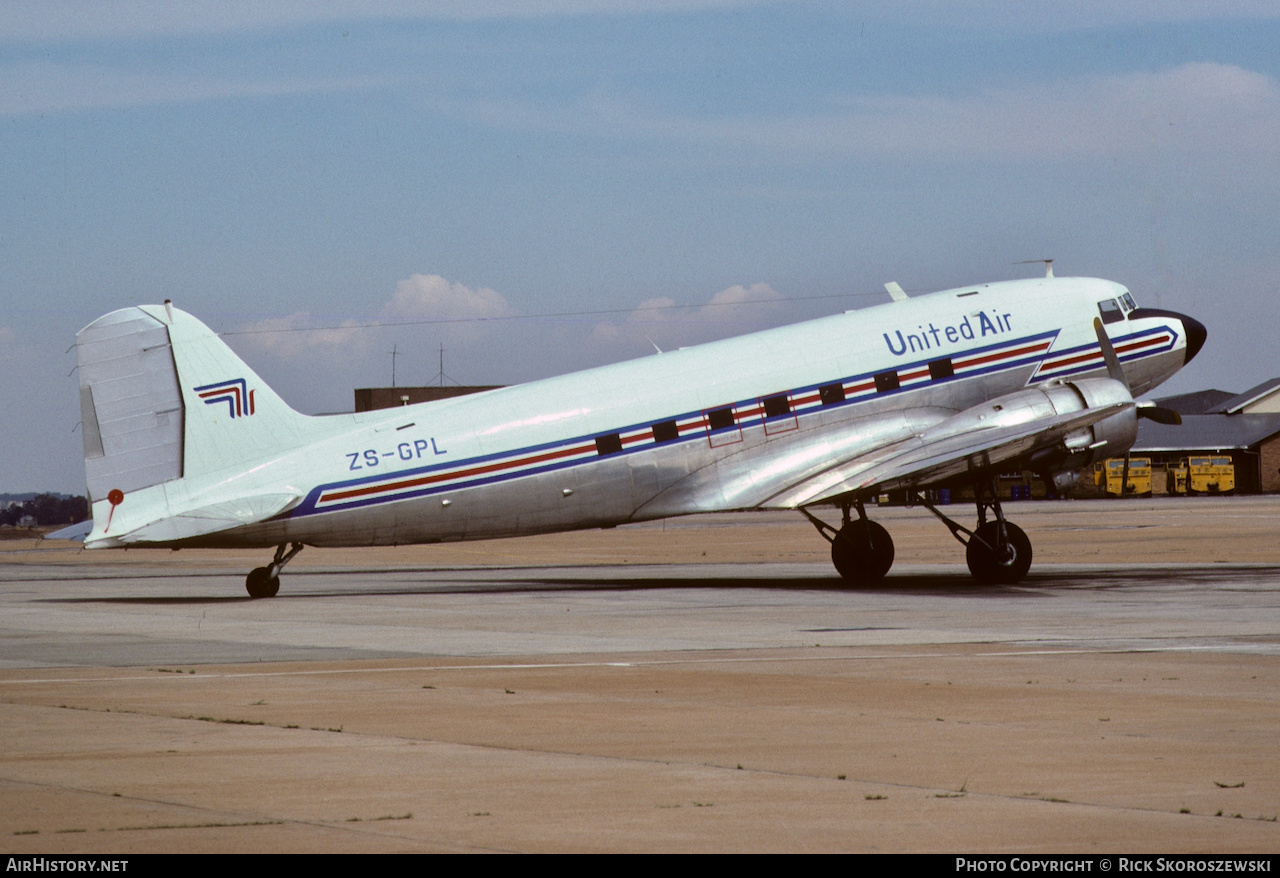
[[45, 508], [48, 509], [73, 509]]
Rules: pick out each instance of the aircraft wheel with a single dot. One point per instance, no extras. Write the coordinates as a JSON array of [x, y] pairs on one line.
[[984, 563], [862, 552], [261, 584]]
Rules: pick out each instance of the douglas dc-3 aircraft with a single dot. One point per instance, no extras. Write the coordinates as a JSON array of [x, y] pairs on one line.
[[186, 446]]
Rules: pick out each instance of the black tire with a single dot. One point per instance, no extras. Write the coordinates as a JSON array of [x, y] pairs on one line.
[[261, 584], [862, 552], [986, 566]]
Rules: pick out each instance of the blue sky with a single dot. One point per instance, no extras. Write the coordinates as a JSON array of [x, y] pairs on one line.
[[587, 176]]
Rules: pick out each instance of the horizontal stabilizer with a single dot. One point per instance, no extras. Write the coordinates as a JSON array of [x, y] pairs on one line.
[[213, 518], [76, 532]]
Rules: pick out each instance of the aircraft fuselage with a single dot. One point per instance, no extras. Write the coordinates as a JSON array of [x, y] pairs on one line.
[[724, 426]]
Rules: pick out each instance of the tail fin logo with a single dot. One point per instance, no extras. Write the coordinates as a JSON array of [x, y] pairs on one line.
[[234, 393]]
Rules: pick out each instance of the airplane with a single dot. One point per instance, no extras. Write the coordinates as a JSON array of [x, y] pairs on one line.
[[185, 446]]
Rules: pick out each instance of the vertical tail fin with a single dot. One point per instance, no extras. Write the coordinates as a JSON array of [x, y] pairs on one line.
[[163, 398]]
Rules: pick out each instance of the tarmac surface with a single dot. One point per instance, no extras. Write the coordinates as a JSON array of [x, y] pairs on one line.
[[703, 684]]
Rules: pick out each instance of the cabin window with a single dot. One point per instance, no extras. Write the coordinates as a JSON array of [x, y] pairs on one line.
[[778, 417], [940, 369], [719, 419], [830, 394], [722, 427], [666, 431], [886, 381], [776, 406], [609, 444], [1110, 310]]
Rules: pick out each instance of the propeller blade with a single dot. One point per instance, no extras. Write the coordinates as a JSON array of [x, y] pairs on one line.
[[1159, 414], [1109, 354], [1148, 410]]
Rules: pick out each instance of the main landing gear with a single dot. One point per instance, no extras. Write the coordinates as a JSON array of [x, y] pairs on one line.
[[861, 550], [997, 551], [264, 582]]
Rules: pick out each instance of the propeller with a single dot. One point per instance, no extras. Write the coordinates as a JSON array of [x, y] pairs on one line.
[[1159, 414], [1148, 410]]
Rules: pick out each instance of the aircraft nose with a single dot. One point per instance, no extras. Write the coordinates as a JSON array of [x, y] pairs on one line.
[[1196, 334], [1194, 329]]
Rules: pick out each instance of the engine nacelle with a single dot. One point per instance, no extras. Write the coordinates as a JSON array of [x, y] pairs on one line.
[[1119, 431], [1084, 447]]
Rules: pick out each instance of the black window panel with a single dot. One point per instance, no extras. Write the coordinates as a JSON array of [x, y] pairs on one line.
[[610, 444], [941, 369], [718, 419], [666, 431], [830, 394], [886, 381], [776, 405], [1110, 311]]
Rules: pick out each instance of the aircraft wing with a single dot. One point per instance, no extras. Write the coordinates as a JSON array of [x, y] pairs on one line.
[[923, 460]]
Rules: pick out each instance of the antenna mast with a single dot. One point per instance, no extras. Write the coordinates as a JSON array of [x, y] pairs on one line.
[[440, 375]]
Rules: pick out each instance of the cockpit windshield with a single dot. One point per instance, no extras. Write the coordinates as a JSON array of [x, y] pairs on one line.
[[1127, 301], [1110, 311]]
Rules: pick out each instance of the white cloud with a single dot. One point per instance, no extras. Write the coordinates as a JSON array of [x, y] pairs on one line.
[[1193, 109], [61, 20], [448, 310], [732, 311], [296, 333], [431, 297], [761, 298], [44, 87]]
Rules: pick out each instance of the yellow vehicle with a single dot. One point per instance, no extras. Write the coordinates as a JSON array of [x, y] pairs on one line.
[[1110, 476], [1203, 475]]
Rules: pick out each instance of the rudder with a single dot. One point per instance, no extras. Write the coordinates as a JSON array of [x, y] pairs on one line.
[[130, 403]]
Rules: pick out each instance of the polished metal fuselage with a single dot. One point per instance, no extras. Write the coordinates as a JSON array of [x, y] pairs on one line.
[[582, 450]]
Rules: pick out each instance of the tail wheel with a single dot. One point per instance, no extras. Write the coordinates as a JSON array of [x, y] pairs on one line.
[[862, 552], [989, 562], [261, 584]]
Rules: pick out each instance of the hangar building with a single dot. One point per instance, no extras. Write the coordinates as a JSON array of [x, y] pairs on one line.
[[1245, 427]]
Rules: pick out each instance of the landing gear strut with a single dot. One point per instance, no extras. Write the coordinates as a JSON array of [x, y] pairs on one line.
[[264, 582], [997, 552], [861, 550]]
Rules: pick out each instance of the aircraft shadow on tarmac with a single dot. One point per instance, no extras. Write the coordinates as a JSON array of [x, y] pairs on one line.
[[401, 583]]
